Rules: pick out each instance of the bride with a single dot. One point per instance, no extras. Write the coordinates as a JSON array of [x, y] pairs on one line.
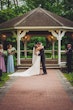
[[35, 68]]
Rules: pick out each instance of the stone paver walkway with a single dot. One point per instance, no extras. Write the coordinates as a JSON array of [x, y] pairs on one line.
[[42, 92]]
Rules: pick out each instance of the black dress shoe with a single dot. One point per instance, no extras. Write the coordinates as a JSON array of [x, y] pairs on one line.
[[44, 73]]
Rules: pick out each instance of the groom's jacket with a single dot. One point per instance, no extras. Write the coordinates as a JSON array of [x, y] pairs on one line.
[[42, 54]]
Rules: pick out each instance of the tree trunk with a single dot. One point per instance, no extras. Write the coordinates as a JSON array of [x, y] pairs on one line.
[[1, 3], [15, 2], [8, 3]]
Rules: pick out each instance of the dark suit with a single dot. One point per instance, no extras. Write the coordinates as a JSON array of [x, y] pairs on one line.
[[69, 59], [43, 60]]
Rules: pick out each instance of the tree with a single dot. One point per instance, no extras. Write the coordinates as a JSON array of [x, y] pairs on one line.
[[15, 2], [51, 5], [68, 9], [2, 3], [36, 3]]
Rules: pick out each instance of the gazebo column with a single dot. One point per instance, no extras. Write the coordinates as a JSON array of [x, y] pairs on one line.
[[53, 52], [18, 45], [25, 39], [59, 34], [25, 49], [59, 49], [18, 50], [20, 34]]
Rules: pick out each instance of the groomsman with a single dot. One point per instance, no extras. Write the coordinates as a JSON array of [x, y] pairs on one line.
[[69, 57]]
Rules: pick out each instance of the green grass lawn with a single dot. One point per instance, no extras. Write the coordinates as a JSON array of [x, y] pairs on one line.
[[4, 78], [69, 77]]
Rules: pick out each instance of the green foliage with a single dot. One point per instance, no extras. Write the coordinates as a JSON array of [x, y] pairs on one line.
[[7, 15], [35, 3], [66, 40], [10, 13], [51, 5], [4, 78], [15, 62], [69, 77], [34, 40], [68, 9]]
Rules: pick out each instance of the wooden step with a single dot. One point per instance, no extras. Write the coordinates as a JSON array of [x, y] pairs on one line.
[[26, 63]]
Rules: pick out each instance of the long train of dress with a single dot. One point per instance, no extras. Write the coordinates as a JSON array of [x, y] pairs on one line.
[[33, 70]]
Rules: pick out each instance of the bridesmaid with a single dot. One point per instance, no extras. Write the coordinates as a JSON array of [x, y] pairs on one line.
[[2, 61], [10, 60]]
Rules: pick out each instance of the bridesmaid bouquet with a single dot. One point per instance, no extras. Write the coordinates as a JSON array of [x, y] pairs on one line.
[[13, 49], [5, 53], [1, 52]]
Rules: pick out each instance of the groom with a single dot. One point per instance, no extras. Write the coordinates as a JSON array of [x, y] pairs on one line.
[[41, 49]]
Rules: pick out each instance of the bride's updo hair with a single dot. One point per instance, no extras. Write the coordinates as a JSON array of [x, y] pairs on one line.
[[39, 43]]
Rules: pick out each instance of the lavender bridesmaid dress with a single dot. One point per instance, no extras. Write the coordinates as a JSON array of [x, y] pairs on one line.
[[2, 62]]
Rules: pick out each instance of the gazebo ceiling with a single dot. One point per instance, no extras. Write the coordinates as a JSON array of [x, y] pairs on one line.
[[37, 19]]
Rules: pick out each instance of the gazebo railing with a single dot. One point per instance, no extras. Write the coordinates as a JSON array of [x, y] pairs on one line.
[[48, 54]]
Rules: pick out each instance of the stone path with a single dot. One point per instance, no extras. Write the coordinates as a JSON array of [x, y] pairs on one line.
[[42, 92]]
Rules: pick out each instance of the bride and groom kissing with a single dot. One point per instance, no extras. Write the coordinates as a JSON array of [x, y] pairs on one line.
[[38, 55]]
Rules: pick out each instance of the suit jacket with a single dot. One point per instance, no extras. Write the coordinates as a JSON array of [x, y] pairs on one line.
[[69, 55], [42, 54]]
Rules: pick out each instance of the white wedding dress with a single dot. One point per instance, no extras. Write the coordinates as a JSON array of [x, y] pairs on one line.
[[34, 69]]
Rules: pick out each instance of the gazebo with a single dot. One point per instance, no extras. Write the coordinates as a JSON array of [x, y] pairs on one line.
[[38, 20]]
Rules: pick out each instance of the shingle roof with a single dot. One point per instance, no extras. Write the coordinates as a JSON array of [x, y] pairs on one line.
[[37, 18]]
